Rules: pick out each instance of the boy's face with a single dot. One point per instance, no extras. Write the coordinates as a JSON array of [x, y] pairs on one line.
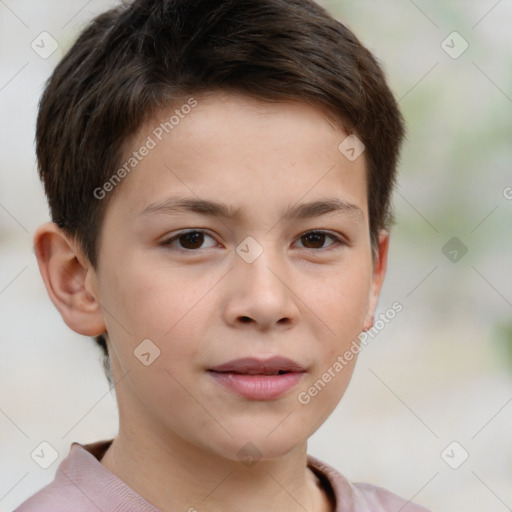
[[306, 297]]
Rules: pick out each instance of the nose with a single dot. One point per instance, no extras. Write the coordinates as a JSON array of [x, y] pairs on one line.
[[260, 294]]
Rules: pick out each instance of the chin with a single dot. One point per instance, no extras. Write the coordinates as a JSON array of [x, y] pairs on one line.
[[256, 444]]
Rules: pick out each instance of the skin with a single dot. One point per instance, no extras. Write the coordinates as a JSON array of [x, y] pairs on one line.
[[304, 298]]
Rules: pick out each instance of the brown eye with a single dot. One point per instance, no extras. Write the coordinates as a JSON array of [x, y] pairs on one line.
[[188, 241], [314, 240], [317, 239], [192, 240]]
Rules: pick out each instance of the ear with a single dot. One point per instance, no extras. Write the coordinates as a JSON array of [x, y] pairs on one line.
[[69, 279], [380, 264]]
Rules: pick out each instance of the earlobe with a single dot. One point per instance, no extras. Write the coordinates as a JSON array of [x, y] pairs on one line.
[[67, 275], [379, 272]]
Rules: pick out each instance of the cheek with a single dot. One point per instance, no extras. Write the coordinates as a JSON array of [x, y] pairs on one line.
[[164, 305], [147, 298], [341, 301]]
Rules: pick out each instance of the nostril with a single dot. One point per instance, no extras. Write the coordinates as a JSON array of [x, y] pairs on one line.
[[245, 319]]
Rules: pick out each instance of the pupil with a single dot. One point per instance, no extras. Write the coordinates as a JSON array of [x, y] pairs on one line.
[[192, 240], [316, 238]]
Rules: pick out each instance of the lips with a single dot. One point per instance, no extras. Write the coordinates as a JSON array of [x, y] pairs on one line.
[[252, 366], [256, 379]]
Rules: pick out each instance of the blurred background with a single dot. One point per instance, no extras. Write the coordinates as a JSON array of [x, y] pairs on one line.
[[429, 411]]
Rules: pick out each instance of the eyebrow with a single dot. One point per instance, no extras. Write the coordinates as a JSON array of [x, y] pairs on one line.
[[218, 209]]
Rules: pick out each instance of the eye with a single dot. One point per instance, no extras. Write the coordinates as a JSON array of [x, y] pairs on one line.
[[316, 240], [189, 240]]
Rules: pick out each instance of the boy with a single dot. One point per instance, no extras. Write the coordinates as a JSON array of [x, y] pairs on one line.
[[259, 128]]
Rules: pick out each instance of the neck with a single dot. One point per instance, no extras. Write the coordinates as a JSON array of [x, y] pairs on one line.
[[174, 475]]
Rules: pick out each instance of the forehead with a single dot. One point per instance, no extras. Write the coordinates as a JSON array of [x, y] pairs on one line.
[[244, 150]]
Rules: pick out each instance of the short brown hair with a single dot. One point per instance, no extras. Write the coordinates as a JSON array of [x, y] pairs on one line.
[[137, 58]]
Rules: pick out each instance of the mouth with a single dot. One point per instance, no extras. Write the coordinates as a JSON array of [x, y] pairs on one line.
[[256, 379], [253, 366]]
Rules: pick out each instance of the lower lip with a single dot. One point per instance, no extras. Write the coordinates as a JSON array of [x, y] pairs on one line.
[[258, 387]]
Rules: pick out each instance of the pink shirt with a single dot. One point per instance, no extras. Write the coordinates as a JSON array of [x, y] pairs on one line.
[[83, 484]]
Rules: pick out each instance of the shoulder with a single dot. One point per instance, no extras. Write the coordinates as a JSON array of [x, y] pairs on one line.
[[359, 497], [82, 484], [386, 500], [58, 497], [69, 488]]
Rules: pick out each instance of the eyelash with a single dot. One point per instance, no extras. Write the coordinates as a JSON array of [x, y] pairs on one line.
[[337, 240]]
